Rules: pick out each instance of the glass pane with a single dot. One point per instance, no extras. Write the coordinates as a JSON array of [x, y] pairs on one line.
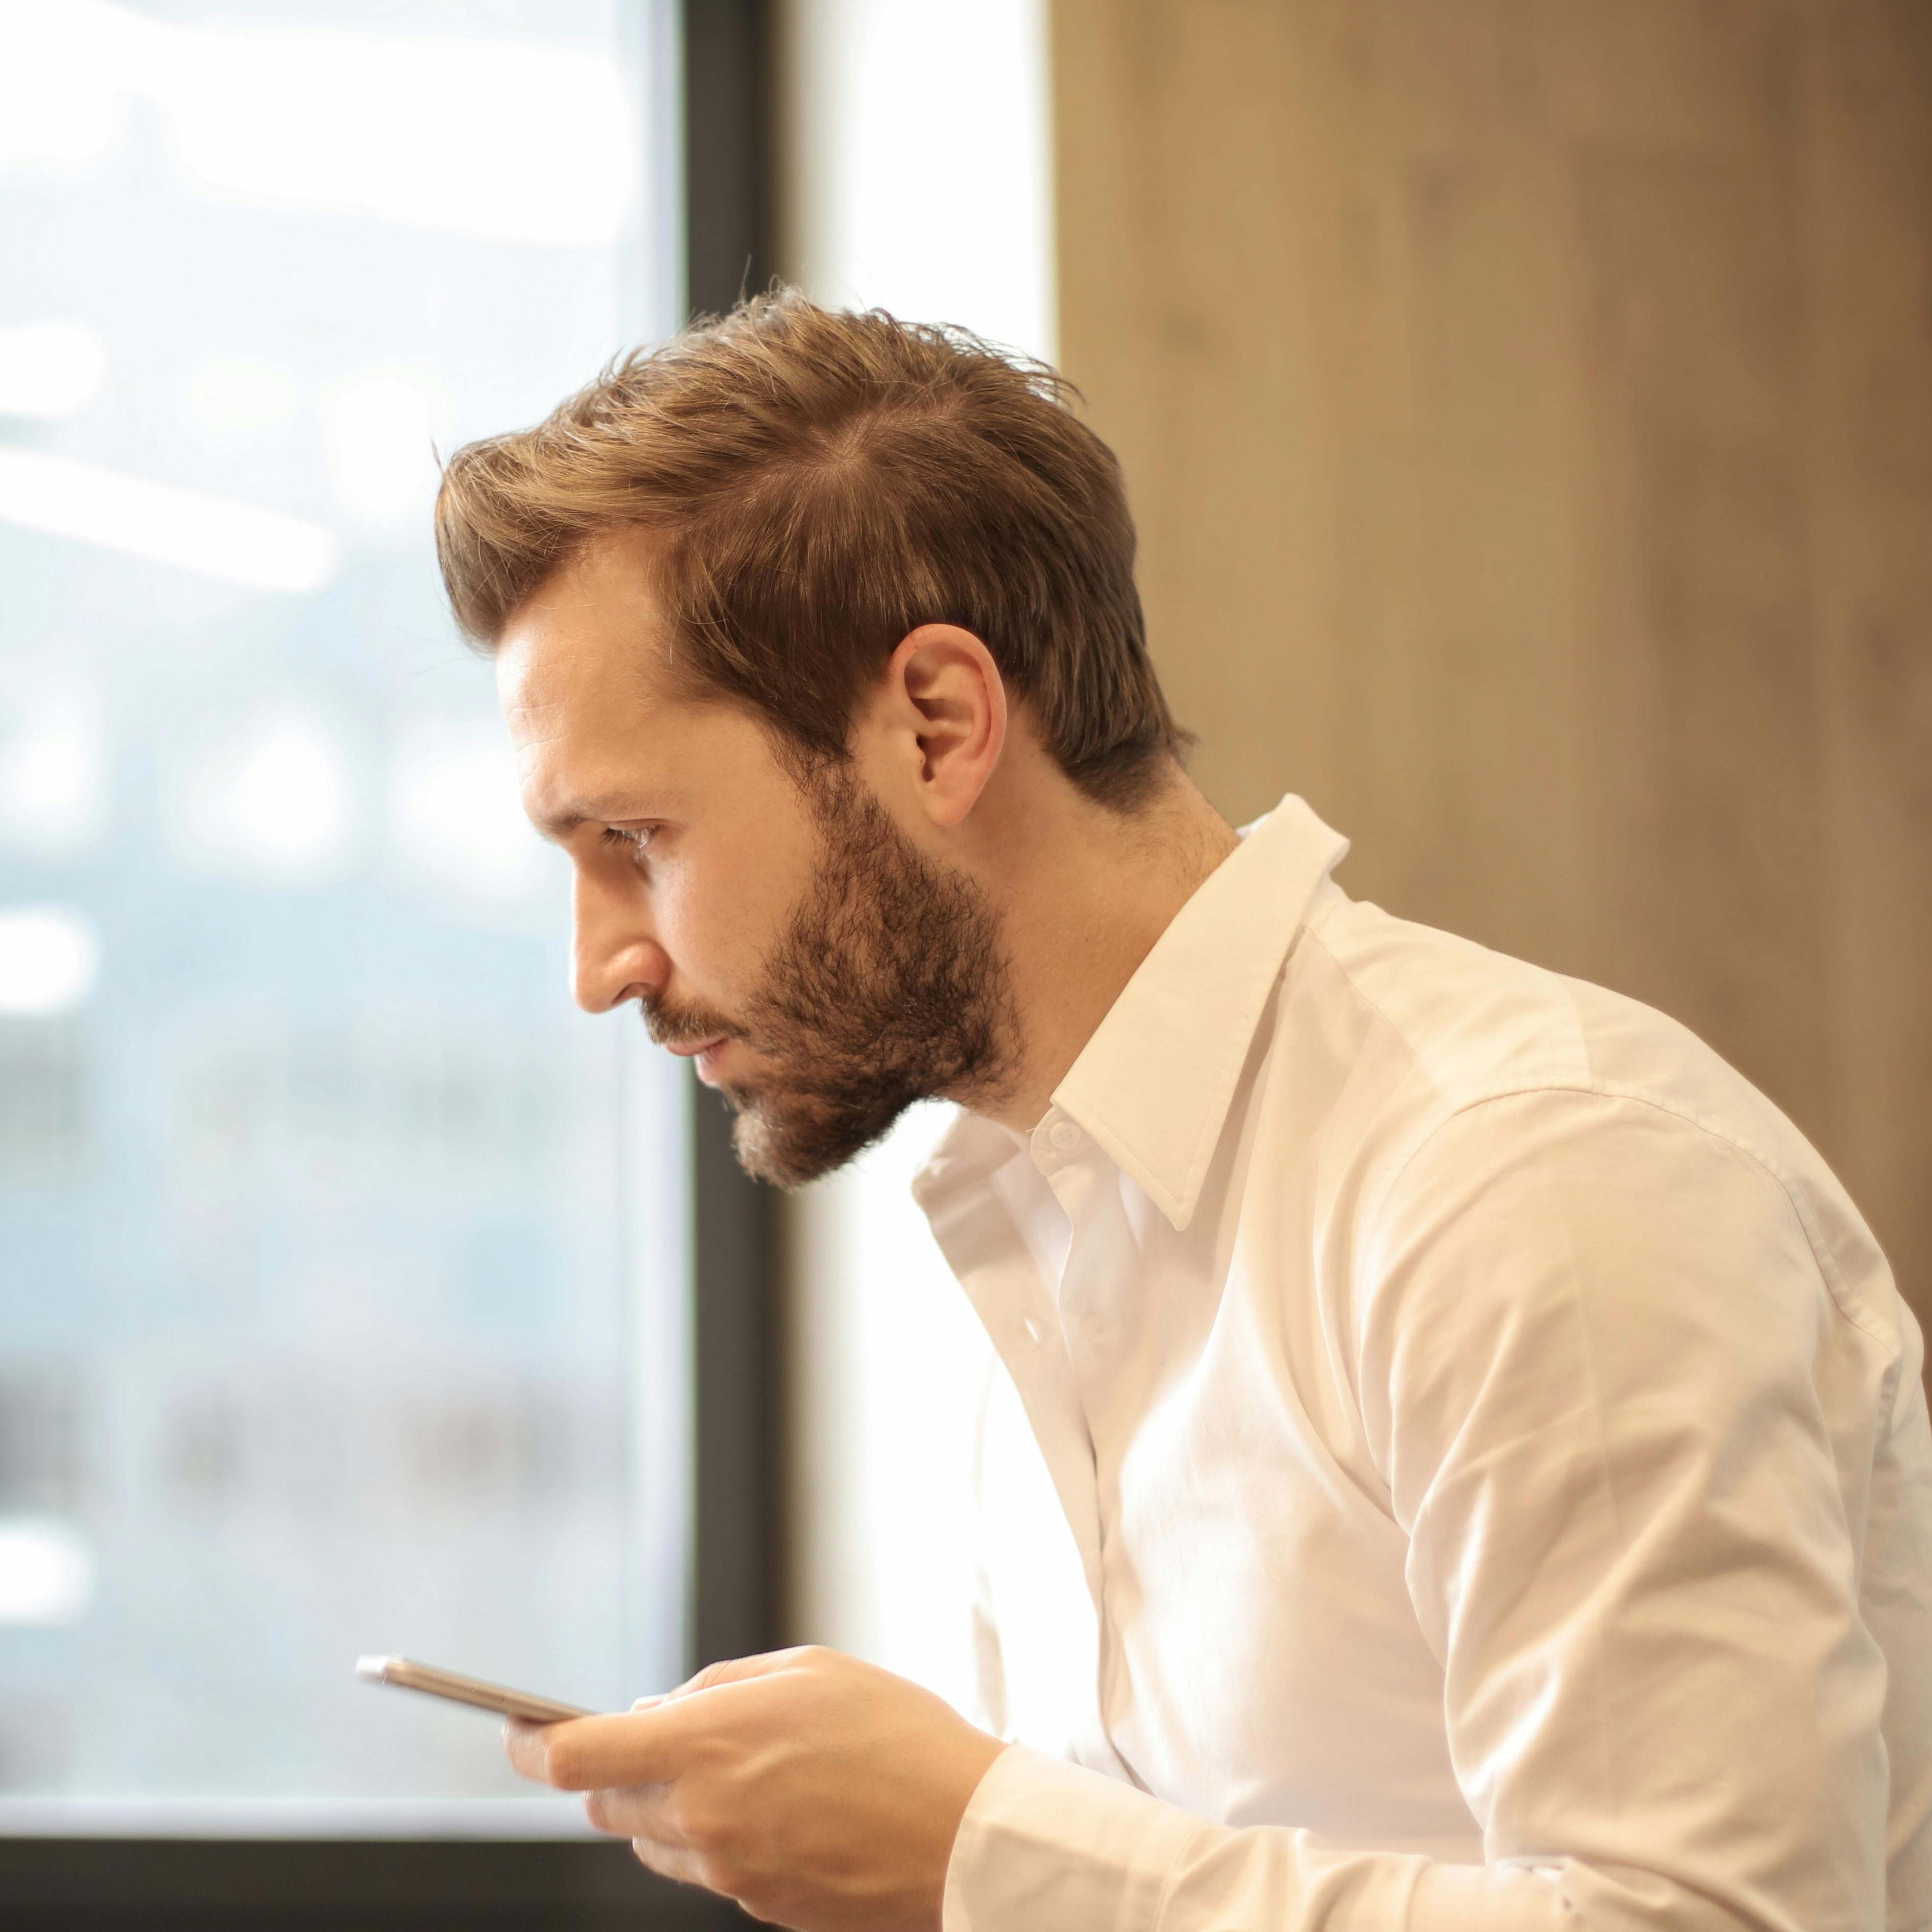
[[342, 1264]]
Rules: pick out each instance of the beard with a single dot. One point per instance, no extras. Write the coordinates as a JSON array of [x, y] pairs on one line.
[[889, 986]]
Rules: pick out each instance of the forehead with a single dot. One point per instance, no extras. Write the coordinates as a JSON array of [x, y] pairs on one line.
[[590, 645], [600, 726], [582, 672]]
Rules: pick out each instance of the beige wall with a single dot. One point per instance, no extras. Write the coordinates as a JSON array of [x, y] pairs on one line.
[[1527, 406]]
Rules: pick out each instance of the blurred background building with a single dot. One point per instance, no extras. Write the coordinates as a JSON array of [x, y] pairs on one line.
[[1527, 409], [342, 1276]]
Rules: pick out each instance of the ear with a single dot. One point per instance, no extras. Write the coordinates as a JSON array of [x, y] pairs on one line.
[[943, 702]]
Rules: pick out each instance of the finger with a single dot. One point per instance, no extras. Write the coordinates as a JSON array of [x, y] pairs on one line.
[[635, 1811], [677, 1861], [524, 1744], [737, 1669], [586, 1754]]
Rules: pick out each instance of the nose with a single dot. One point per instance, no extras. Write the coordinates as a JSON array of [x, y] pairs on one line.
[[615, 956]]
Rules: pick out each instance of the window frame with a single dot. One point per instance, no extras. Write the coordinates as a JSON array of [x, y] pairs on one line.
[[63, 1884]]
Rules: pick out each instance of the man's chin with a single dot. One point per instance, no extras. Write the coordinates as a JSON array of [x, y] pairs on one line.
[[772, 1149], [790, 1143]]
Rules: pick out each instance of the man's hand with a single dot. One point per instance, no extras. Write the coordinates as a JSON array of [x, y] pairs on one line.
[[816, 1791]]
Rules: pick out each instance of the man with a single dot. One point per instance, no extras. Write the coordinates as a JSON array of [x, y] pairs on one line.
[[1494, 1442]]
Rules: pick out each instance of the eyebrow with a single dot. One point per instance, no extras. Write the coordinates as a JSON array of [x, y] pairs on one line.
[[560, 825]]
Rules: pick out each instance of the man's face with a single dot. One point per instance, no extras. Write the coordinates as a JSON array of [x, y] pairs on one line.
[[826, 972]]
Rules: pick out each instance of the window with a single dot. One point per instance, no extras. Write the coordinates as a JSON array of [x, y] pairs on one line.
[[344, 1268]]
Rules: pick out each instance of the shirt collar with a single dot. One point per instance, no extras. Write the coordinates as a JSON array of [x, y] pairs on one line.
[[1153, 1084]]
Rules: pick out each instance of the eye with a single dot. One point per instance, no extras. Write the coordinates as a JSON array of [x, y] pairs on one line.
[[631, 839]]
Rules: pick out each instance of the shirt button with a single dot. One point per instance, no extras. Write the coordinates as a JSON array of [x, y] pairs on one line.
[[1064, 1134], [1097, 1329]]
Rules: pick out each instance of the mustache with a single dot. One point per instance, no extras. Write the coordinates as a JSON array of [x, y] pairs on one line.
[[670, 1026]]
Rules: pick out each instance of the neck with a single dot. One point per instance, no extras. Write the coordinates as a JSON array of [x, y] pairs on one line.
[[1084, 893]]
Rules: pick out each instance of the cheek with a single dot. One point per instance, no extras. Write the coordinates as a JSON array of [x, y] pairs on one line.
[[716, 925], [691, 929]]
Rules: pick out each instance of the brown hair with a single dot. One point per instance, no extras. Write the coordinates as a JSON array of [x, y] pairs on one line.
[[823, 483]]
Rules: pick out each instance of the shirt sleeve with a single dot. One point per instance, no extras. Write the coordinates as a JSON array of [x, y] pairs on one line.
[[1604, 1380]]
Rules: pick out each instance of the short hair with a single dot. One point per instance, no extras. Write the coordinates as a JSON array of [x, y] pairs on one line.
[[818, 484]]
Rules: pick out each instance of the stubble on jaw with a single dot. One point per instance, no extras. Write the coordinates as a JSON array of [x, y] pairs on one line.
[[889, 986]]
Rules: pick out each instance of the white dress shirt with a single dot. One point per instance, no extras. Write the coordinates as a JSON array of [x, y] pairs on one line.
[[1494, 1445]]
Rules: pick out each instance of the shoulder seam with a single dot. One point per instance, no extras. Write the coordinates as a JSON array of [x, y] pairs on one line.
[[1835, 1285]]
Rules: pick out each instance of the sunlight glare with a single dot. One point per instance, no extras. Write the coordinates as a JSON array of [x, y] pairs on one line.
[[50, 957], [46, 1572], [500, 141], [53, 773]]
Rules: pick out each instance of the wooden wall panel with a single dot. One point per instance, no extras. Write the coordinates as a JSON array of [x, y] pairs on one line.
[[1528, 410]]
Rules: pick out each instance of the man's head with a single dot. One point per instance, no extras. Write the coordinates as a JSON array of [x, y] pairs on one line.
[[760, 602]]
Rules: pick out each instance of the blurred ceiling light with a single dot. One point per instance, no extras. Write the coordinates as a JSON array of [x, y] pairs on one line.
[[46, 1572], [53, 772], [504, 142], [49, 959], [279, 808], [210, 534], [381, 432], [454, 814], [49, 369]]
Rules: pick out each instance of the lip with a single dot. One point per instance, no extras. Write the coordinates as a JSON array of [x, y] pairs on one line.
[[697, 1047], [705, 1064]]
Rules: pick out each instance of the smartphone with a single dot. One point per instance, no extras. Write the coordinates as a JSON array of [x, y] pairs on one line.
[[407, 1675]]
